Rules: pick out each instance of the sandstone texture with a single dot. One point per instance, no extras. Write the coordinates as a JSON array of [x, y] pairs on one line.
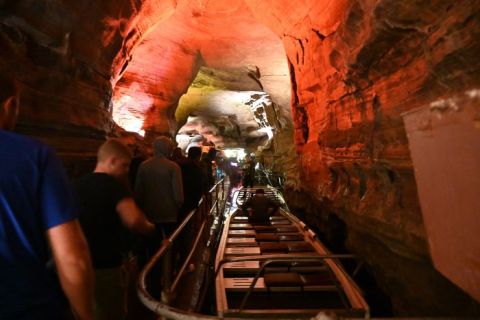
[[328, 78]]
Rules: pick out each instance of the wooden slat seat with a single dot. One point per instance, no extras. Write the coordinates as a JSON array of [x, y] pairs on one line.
[[242, 266], [293, 264], [300, 247], [242, 251], [291, 237], [276, 223], [242, 284], [241, 233], [242, 242], [250, 268], [260, 223], [240, 226], [317, 279], [286, 229], [277, 281], [240, 219], [308, 266], [289, 267], [259, 237], [273, 247], [283, 279], [264, 228], [278, 218]]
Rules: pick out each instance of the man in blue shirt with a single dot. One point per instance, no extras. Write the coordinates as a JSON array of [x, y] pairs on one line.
[[36, 217]]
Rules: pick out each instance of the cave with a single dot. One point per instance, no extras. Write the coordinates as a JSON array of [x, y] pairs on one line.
[[370, 109]]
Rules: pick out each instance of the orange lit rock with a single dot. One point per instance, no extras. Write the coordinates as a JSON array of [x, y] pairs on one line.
[[341, 73]]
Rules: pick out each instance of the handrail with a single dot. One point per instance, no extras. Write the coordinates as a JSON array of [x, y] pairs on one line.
[[272, 260], [190, 254], [215, 186], [179, 229], [159, 307], [291, 257]]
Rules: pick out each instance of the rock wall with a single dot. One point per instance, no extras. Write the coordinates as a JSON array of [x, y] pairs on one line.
[[353, 73], [355, 66], [65, 56]]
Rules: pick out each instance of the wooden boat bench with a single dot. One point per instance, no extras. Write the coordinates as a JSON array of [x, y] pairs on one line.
[[241, 233], [242, 242], [266, 237], [273, 247], [285, 247], [242, 251], [282, 281], [241, 226]]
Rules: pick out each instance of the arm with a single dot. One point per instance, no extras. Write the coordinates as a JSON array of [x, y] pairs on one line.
[[273, 206], [133, 218], [247, 205], [72, 258]]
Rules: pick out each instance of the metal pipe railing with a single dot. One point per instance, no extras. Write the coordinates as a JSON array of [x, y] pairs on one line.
[[190, 254], [146, 298], [273, 260], [291, 257], [281, 258]]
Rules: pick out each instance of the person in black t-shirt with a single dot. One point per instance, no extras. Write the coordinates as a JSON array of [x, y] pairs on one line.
[[207, 159], [194, 179], [106, 207], [259, 208]]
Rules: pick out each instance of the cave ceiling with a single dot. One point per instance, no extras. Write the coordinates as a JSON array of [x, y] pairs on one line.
[[232, 58]]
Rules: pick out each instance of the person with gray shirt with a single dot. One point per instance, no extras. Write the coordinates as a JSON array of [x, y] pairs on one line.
[[159, 193], [158, 187]]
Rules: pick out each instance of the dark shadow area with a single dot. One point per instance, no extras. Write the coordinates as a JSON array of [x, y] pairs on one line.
[[333, 234]]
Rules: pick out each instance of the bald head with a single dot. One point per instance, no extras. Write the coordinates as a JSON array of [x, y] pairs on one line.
[[113, 158], [113, 148]]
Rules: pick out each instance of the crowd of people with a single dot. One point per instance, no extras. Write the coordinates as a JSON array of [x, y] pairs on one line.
[[62, 249]]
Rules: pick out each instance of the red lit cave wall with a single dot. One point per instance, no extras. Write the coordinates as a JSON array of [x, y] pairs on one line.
[[355, 67], [65, 56]]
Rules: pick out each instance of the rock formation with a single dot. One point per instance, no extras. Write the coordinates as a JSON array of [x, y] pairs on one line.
[[339, 75]]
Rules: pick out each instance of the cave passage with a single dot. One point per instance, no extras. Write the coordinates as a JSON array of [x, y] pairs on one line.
[[366, 114]]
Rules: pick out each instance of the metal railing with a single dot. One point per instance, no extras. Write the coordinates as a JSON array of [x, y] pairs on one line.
[[276, 258], [211, 205], [275, 179]]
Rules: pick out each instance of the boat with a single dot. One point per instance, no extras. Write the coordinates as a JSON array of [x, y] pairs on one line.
[[280, 270], [277, 270]]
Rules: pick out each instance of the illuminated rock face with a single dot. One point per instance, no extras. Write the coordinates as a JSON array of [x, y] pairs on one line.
[[228, 108], [352, 79], [354, 67], [216, 34], [351, 83], [64, 55]]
